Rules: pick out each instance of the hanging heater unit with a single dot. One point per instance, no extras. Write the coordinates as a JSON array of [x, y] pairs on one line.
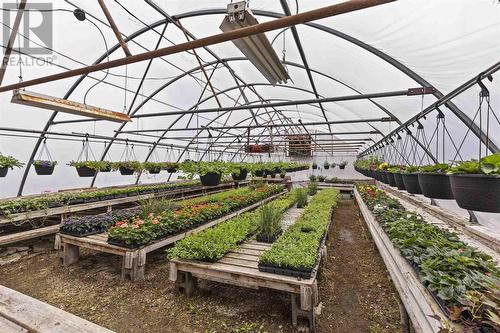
[[256, 48], [27, 98]]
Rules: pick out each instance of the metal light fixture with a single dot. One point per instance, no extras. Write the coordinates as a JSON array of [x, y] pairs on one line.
[[27, 98], [256, 48]]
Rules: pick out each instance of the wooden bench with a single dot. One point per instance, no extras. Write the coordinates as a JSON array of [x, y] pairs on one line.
[[418, 302], [240, 268], [134, 260], [21, 313]]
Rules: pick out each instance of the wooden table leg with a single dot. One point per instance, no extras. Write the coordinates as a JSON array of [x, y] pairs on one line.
[[303, 305], [133, 269], [71, 254], [186, 283]]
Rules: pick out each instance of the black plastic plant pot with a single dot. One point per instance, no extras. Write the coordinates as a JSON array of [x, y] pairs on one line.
[[398, 177], [85, 171], [390, 178], [125, 245], [242, 176], [314, 166], [44, 170], [172, 170], [259, 173], [210, 179], [266, 238], [272, 175], [126, 171], [411, 183], [477, 192], [435, 185], [383, 177], [342, 167], [326, 167], [282, 176], [154, 171], [4, 171]]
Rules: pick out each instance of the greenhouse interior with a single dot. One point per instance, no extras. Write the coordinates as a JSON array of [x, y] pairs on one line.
[[250, 166]]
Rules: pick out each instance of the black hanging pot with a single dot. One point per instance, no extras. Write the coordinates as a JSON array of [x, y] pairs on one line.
[[85, 171], [390, 178], [210, 179], [154, 171], [241, 176], [326, 167], [4, 171], [314, 166], [435, 185], [341, 167], [172, 170], [477, 192], [383, 177], [259, 173], [44, 170], [411, 183], [398, 177], [126, 171]]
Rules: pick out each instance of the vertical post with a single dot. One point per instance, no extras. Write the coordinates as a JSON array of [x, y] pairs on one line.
[[115, 28], [12, 39]]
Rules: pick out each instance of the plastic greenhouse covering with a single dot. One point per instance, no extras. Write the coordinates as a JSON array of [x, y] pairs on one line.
[[393, 47]]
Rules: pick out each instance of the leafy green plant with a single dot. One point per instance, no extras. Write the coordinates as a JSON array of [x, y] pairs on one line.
[[202, 168], [131, 165], [321, 178], [45, 163], [156, 206], [326, 164], [488, 165], [436, 168], [312, 178], [9, 162], [343, 163], [95, 165], [301, 197], [153, 167], [312, 188], [297, 248]]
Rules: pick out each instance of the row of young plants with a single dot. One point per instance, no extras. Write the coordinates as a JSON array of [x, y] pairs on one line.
[[212, 244], [475, 185], [465, 281], [43, 202], [141, 230], [296, 252], [94, 224], [327, 165]]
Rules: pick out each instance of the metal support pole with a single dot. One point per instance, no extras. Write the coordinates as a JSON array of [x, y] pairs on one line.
[[114, 28], [12, 39]]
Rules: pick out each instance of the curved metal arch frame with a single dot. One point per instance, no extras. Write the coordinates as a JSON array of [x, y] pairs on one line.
[[464, 118]]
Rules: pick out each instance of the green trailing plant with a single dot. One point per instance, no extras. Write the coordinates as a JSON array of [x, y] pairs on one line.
[[321, 179], [153, 167], [436, 168], [94, 165], [301, 197], [448, 267], [312, 188], [212, 244], [326, 164], [488, 165], [298, 247], [9, 162], [131, 165], [45, 163], [312, 178], [343, 163], [410, 169], [202, 168]]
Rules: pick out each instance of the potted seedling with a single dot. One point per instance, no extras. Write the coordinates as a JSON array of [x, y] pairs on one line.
[[343, 164], [127, 168], [269, 224], [8, 162], [44, 168], [326, 165], [476, 184], [153, 168], [435, 182], [86, 168], [282, 174]]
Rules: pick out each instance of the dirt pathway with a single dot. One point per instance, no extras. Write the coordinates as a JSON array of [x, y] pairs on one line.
[[354, 290]]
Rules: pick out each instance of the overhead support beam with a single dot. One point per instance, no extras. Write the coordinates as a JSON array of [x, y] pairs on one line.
[[320, 13], [12, 39], [295, 34], [114, 28], [444, 101], [267, 135], [280, 104], [316, 123]]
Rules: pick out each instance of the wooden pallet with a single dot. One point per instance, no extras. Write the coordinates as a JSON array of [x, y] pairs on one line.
[[21, 313], [134, 260], [240, 268], [418, 302]]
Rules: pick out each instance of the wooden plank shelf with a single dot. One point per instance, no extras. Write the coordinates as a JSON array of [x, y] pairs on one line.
[[240, 268], [418, 302], [134, 260], [21, 313]]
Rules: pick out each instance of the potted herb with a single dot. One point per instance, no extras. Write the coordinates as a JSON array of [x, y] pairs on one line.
[[86, 168], [8, 162], [476, 185], [210, 172], [343, 164], [127, 168], [434, 181], [314, 165], [326, 165], [269, 223], [44, 168], [238, 171], [171, 167], [153, 168], [410, 179]]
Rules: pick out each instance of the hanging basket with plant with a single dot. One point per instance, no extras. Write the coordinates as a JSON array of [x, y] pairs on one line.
[[435, 182], [44, 164], [8, 162], [86, 168], [343, 164], [410, 180], [153, 168], [476, 185], [326, 165], [127, 168], [210, 172], [238, 171]]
